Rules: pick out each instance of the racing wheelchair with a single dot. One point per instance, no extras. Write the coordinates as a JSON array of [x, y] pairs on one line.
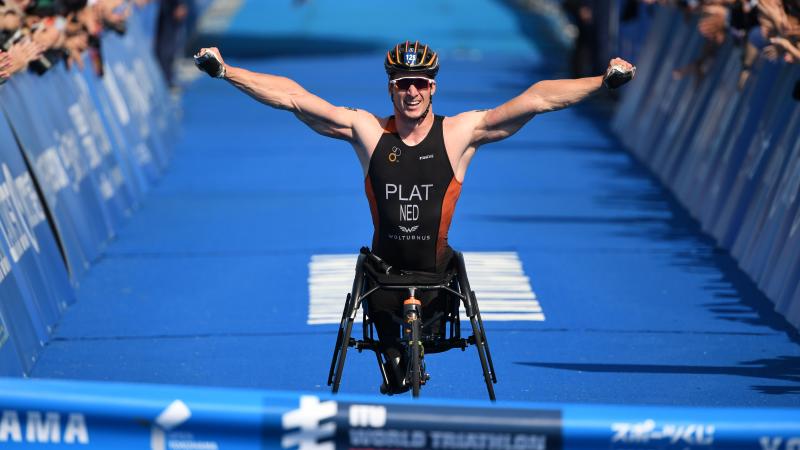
[[420, 335]]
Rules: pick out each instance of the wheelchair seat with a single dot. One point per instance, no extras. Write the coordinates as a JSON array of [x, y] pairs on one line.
[[385, 275], [438, 333]]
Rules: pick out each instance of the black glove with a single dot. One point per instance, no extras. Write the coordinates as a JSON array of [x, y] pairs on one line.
[[616, 76], [208, 63]]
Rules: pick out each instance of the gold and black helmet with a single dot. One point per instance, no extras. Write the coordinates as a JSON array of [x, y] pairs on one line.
[[411, 58]]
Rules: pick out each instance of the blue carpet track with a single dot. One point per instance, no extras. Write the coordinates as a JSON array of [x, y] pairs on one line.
[[208, 283]]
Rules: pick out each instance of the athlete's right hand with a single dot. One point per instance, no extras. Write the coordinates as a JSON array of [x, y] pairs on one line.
[[618, 73], [210, 61]]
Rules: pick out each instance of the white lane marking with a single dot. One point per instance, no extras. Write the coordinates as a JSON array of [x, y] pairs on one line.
[[503, 290]]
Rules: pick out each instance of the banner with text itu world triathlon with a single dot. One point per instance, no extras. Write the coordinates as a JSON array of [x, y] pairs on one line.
[[82, 415]]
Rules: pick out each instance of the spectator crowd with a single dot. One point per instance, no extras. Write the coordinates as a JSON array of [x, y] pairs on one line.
[[37, 34], [762, 28]]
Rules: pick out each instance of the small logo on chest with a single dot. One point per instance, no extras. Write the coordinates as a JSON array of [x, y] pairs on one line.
[[423, 157], [394, 156]]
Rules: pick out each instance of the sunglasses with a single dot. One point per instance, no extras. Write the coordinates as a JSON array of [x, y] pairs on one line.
[[403, 84]]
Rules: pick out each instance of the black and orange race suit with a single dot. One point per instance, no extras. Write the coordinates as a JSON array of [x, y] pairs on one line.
[[412, 192]]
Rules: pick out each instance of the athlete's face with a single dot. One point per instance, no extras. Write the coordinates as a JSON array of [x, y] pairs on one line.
[[411, 95]]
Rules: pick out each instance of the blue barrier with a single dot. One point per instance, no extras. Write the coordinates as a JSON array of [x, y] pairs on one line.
[[131, 103], [141, 85], [92, 127], [106, 415], [104, 170], [164, 110], [107, 180], [60, 167], [19, 335], [636, 93], [33, 279], [9, 358], [10, 363], [75, 159], [731, 154], [33, 251], [115, 117]]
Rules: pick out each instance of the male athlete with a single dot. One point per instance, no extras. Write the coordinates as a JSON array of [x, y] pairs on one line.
[[413, 161]]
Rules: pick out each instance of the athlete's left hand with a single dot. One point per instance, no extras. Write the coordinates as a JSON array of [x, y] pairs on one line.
[[210, 61], [618, 73]]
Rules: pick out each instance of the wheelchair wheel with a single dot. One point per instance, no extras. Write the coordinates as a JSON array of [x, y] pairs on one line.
[[346, 328], [416, 358], [339, 340], [480, 345], [474, 314], [485, 340]]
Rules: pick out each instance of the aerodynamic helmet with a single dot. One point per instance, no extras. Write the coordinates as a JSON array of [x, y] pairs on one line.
[[411, 58]]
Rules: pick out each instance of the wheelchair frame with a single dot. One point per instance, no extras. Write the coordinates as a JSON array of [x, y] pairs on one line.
[[416, 345]]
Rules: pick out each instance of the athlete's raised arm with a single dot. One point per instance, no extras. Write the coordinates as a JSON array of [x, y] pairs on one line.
[[286, 94], [544, 96]]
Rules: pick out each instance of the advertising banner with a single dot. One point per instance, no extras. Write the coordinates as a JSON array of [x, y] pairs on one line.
[[725, 144], [39, 414], [10, 364], [29, 255], [60, 169]]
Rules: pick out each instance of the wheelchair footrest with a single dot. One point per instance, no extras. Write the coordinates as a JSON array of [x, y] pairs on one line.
[[441, 345], [362, 345]]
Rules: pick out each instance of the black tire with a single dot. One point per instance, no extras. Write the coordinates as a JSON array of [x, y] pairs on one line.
[[337, 379], [339, 335], [416, 354], [346, 328], [479, 345], [471, 306], [485, 340]]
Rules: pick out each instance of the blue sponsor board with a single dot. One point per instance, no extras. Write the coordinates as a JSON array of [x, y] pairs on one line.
[[115, 117], [28, 233], [33, 281], [725, 145], [59, 168], [623, 428], [68, 175], [371, 425], [22, 334], [46, 414], [105, 174], [81, 161], [10, 363], [38, 413], [129, 73]]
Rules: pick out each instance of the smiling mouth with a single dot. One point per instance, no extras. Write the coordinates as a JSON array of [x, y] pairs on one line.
[[413, 103]]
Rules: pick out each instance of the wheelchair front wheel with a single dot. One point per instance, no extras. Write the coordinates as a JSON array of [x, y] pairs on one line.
[[339, 340], [480, 346], [485, 341], [344, 343], [352, 303], [416, 358]]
